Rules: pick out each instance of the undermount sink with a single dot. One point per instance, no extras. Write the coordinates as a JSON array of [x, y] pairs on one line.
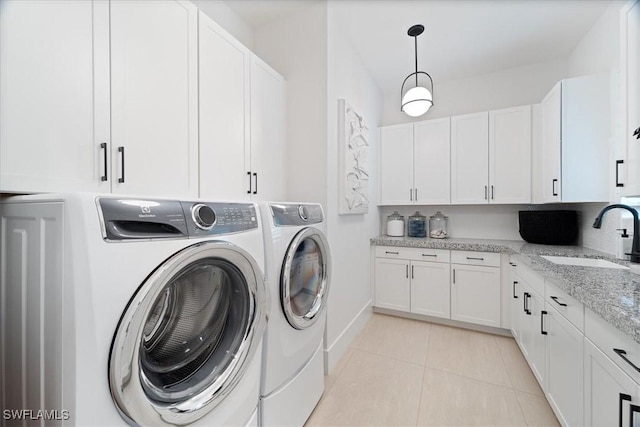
[[584, 262]]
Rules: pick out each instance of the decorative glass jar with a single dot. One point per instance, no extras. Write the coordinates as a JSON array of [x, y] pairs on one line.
[[395, 225], [438, 226], [417, 226]]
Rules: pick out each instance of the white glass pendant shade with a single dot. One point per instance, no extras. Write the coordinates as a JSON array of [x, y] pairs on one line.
[[417, 101]]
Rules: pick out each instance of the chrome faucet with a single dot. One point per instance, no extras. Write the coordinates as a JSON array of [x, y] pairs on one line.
[[635, 245]]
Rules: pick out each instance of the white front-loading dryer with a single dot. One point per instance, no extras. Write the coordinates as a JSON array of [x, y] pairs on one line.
[[131, 310], [298, 270]]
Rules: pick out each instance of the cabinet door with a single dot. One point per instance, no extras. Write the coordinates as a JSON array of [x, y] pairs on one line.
[[475, 294], [154, 97], [268, 139], [608, 391], [510, 155], [537, 352], [54, 108], [470, 159], [564, 363], [396, 165], [630, 55], [224, 116], [550, 184], [432, 162], [392, 284], [430, 289], [515, 303]]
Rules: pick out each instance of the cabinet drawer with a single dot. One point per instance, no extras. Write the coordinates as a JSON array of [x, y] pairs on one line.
[[566, 305], [433, 255], [528, 275], [393, 252], [489, 259], [607, 338]]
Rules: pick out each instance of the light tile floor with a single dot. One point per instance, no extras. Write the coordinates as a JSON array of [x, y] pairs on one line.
[[401, 372]]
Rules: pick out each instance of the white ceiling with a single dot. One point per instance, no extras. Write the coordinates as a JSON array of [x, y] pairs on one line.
[[463, 38]]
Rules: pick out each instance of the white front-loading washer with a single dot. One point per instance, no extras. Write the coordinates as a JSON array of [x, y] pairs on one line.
[[297, 267], [131, 310]]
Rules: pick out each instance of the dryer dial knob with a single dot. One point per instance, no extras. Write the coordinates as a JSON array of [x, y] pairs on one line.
[[303, 212], [203, 216]]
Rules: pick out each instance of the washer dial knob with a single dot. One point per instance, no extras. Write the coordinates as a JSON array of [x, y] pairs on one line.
[[203, 216], [303, 212]]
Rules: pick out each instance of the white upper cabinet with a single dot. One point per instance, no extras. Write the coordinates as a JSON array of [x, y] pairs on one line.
[[54, 111], [432, 162], [510, 155], [242, 121], [224, 114], [630, 80], [396, 165], [470, 159], [550, 178], [116, 109], [574, 153], [154, 97], [268, 139]]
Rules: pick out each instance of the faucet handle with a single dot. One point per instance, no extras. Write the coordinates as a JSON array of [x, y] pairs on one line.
[[624, 233]]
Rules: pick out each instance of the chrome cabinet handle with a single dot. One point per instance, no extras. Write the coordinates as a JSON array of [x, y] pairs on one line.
[[492, 198], [558, 302], [407, 270], [515, 296], [393, 253], [542, 331], [411, 194], [249, 174], [553, 186], [485, 192], [416, 197], [474, 258], [430, 255]]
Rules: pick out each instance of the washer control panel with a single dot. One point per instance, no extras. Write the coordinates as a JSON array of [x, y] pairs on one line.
[[219, 218], [296, 214], [127, 219]]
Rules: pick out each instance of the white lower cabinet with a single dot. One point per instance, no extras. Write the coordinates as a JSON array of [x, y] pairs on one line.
[[430, 289], [610, 394], [413, 280], [475, 294], [564, 388], [532, 337], [392, 286]]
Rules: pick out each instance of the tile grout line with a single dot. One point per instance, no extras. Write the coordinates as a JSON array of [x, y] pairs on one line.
[[515, 392], [424, 374]]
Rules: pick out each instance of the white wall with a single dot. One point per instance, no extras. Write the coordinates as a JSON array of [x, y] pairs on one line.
[[351, 296], [227, 19], [296, 46], [320, 67], [468, 221], [507, 88]]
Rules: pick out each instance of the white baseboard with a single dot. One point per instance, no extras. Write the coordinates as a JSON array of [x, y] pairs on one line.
[[334, 351]]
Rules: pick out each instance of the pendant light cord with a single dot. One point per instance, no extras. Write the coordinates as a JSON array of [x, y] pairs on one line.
[[415, 38]]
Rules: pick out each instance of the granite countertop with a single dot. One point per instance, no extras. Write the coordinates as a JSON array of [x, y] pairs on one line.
[[613, 294]]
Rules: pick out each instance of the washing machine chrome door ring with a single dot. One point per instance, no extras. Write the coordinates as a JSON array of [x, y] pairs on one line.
[[304, 279], [188, 335]]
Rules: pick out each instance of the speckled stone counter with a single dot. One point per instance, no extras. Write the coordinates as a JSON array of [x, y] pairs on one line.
[[613, 294]]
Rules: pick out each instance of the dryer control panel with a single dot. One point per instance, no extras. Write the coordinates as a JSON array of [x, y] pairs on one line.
[[127, 219], [296, 214]]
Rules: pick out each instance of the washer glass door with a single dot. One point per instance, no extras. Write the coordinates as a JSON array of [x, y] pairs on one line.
[[188, 335], [305, 278]]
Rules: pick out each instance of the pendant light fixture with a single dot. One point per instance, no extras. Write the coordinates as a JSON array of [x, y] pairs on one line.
[[418, 99]]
